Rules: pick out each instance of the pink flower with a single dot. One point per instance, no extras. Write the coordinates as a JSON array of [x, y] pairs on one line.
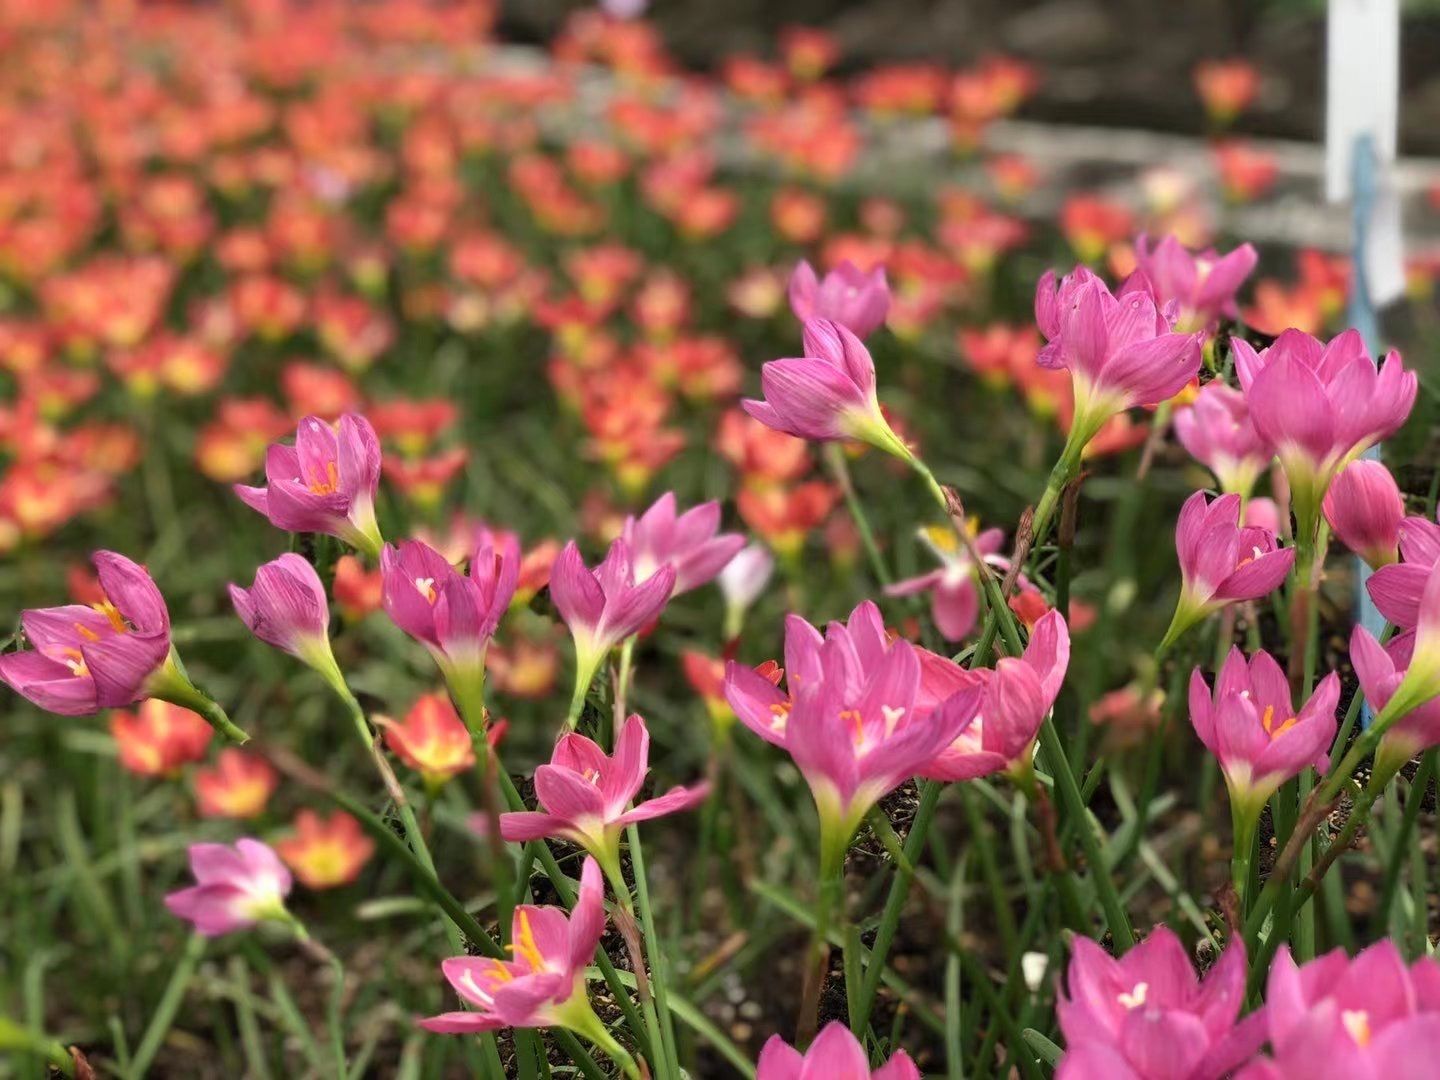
[[859, 719], [287, 608], [454, 615], [1217, 432], [544, 985], [1017, 696], [1417, 652], [1146, 1016], [1319, 406], [847, 295], [834, 1055], [828, 394], [1261, 513], [1252, 728], [742, 582], [1202, 285], [1222, 561], [1370, 1018], [586, 794], [954, 591], [108, 655], [325, 483], [1397, 589], [235, 887], [1364, 509], [1381, 670], [1120, 351], [686, 542], [604, 607]]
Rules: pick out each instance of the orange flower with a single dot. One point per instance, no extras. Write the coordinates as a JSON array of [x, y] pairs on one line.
[[431, 739], [326, 853], [159, 737], [239, 786], [1226, 87], [357, 590]]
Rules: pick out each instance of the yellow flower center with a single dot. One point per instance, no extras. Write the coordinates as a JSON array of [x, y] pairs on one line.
[[1268, 723], [524, 945], [327, 484]]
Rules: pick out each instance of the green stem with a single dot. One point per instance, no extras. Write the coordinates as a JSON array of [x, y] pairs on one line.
[[835, 460], [832, 868], [1067, 467], [170, 682], [1243, 824], [590, 1026], [1399, 843], [20, 1040], [656, 956], [1070, 795], [930, 792], [169, 1005]]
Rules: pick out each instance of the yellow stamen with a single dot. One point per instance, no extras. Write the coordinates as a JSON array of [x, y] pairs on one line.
[[85, 632], [327, 484], [854, 717], [1268, 723], [524, 946], [426, 587], [111, 612], [77, 663]]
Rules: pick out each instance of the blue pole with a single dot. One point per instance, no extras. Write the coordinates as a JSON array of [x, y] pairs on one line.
[[1363, 317]]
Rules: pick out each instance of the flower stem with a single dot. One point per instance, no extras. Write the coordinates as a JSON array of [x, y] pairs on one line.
[[172, 683], [827, 904], [835, 460], [895, 901]]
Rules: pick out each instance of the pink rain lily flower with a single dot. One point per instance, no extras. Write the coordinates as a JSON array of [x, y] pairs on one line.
[[325, 483], [1397, 589], [287, 608], [605, 606], [1320, 406], [453, 615], [1146, 1016], [828, 394], [1253, 729], [1201, 285], [847, 295], [544, 984], [1262, 513], [1121, 351], [834, 1055], [1417, 652], [1381, 670], [1364, 509], [1336, 1018], [857, 720], [954, 590], [106, 656], [690, 543], [585, 795], [1217, 432], [1004, 721], [235, 888], [742, 582], [1221, 561]]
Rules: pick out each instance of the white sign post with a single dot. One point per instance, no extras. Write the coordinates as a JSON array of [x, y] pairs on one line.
[[1362, 105]]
